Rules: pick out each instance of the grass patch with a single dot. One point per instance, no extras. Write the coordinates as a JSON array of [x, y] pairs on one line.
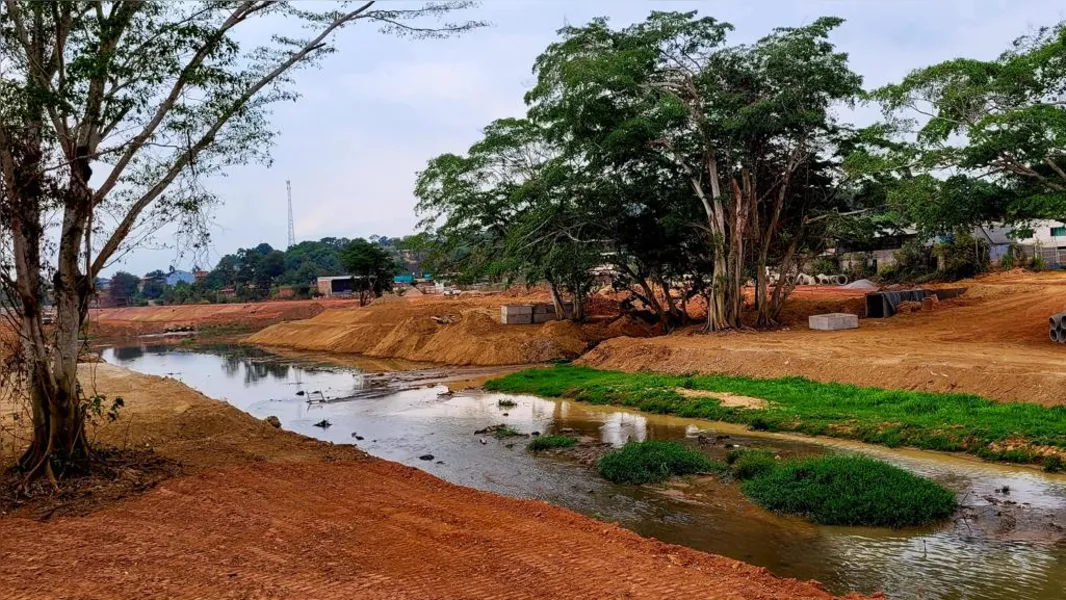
[[549, 442], [845, 490], [934, 421], [638, 463]]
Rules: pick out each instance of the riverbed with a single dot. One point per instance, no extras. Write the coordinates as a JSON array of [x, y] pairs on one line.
[[1007, 543]]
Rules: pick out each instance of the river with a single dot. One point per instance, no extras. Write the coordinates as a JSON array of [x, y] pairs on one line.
[[1006, 545]]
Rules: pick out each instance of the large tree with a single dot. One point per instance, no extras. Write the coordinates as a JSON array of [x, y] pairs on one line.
[[972, 141], [742, 126], [371, 266], [111, 115]]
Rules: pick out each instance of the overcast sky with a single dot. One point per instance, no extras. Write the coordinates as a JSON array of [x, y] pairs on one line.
[[378, 109]]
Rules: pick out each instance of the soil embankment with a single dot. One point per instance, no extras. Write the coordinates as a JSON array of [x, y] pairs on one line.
[[991, 341], [132, 321], [265, 513], [462, 330]]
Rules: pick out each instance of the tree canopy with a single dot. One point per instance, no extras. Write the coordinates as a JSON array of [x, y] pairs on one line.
[[686, 164]]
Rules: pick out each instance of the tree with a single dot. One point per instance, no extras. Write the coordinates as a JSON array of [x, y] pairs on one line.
[[154, 284], [123, 287], [150, 96], [741, 126], [371, 267], [970, 142]]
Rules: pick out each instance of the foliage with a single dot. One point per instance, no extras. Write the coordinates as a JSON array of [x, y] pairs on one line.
[[123, 287], [685, 164], [975, 141], [961, 257], [550, 442], [145, 100], [638, 463], [1054, 464], [935, 421], [371, 267], [749, 463], [849, 490], [824, 265], [914, 264]]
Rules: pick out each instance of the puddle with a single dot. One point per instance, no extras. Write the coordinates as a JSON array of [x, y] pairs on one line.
[[994, 551]]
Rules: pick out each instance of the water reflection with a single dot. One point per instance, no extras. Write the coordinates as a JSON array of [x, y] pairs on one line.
[[956, 561]]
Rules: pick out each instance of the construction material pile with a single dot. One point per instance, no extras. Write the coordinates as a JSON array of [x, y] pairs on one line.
[[1057, 328]]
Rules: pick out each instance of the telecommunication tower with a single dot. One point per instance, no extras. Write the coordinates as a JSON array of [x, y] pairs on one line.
[[292, 228]]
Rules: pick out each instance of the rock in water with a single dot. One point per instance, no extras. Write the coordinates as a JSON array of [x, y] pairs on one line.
[[276, 422], [324, 423], [426, 457]]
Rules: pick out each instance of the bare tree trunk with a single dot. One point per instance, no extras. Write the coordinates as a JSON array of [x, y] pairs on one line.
[[579, 308], [557, 302]]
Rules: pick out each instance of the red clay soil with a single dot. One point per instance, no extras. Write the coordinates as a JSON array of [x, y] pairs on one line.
[[265, 513], [992, 341], [130, 321], [456, 330]]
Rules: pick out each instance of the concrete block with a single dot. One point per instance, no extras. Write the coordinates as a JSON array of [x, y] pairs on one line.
[[543, 317], [516, 309], [834, 321], [541, 309], [507, 319]]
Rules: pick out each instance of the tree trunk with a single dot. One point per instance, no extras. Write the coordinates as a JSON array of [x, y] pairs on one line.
[[579, 308], [557, 302]]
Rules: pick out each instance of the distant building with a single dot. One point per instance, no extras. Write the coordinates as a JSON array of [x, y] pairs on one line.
[[175, 276], [336, 285]]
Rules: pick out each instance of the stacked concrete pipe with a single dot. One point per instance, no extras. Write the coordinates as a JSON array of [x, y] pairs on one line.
[[1057, 328]]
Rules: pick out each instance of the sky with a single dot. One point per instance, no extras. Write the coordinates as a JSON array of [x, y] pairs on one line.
[[373, 113]]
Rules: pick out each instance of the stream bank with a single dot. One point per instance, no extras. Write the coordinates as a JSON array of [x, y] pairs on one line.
[[1003, 546]]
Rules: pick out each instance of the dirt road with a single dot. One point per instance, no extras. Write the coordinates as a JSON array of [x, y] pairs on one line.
[[992, 342], [262, 513]]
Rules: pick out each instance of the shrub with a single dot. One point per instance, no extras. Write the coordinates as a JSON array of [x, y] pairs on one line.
[[964, 257], [1037, 263], [824, 265], [651, 462], [850, 490], [748, 464], [549, 442], [1054, 464]]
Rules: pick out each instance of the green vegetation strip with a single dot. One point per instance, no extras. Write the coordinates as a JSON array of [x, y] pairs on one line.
[[951, 422], [842, 490], [638, 463], [549, 442]]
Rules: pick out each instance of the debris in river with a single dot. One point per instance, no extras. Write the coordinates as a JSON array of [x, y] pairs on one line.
[[324, 423], [359, 438], [483, 441], [354, 434], [301, 393], [276, 422], [426, 457]]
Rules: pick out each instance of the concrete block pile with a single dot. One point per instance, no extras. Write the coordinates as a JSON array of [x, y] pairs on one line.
[[526, 314]]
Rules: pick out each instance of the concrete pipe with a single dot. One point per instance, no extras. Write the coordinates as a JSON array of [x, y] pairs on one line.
[[1061, 334], [842, 279], [1053, 333], [1055, 320]]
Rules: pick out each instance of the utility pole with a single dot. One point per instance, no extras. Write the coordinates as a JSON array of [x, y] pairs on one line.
[[292, 228]]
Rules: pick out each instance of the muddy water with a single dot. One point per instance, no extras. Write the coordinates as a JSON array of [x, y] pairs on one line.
[[1004, 545]]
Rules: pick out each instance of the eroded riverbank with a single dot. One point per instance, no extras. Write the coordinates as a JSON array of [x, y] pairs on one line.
[[1004, 547]]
